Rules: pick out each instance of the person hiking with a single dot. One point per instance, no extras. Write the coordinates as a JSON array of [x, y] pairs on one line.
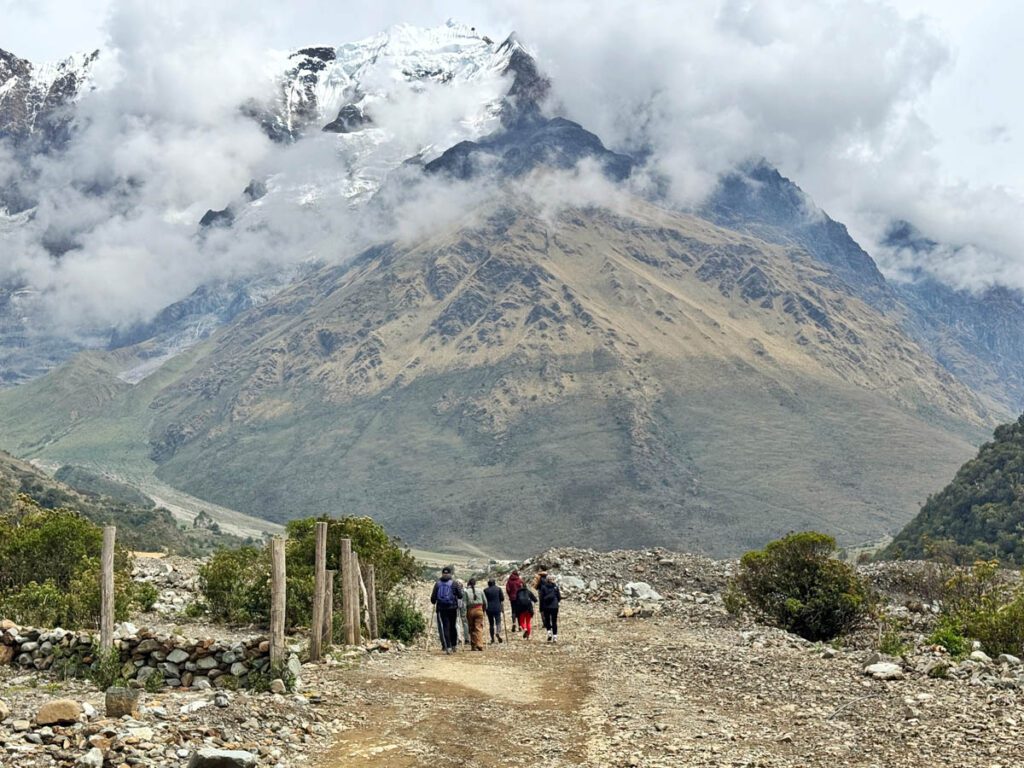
[[512, 587], [495, 608], [445, 598], [463, 622], [474, 600], [538, 579], [550, 597], [522, 607]]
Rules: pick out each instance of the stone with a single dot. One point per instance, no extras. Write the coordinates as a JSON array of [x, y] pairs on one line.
[[222, 758], [145, 673], [6, 654], [91, 759], [981, 657], [5, 711], [884, 670], [221, 700], [20, 726], [122, 701], [59, 712], [239, 668], [207, 662], [277, 686], [641, 590], [571, 582], [177, 656], [147, 646], [1004, 658]]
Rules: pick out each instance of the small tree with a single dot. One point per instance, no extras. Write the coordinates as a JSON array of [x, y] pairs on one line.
[[797, 583]]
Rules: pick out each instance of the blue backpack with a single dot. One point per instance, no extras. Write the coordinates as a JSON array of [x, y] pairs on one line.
[[446, 594]]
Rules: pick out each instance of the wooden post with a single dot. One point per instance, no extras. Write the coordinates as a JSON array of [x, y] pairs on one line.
[[107, 588], [351, 627], [361, 617], [278, 589], [371, 588], [329, 611], [316, 626]]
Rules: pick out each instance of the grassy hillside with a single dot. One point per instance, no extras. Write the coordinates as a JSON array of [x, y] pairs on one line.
[[980, 514], [139, 527], [604, 379]]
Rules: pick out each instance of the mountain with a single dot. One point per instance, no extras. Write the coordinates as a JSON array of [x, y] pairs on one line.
[[980, 514], [140, 524], [613, 378], [977, 335], [613, 374]]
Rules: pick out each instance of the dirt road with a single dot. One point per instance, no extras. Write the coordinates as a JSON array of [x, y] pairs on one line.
[[693, 689]]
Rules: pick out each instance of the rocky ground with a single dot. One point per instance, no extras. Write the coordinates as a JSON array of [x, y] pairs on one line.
[[650, 671]]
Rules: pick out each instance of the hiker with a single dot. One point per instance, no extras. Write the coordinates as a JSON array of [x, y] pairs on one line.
[[550, 597], [445, 598], [512, 587], [523, 609], [538, 579], [495, 607], [474, 600], [463, 623]]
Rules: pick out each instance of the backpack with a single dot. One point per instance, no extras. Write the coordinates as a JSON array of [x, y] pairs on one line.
[[446, 594]]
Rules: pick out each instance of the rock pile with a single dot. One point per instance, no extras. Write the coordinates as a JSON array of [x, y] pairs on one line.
[[148, 660], [175, 578]]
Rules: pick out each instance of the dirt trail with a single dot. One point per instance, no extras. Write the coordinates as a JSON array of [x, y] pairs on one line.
[[517, 702], [694, 688]]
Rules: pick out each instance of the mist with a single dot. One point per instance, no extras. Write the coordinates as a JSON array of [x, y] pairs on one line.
[[829, 93]]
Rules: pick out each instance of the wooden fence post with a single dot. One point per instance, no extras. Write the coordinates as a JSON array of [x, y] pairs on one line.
[[371, 588], [278, 589], [351, 628], [316, 626], [361, 617], [329, 611], [107, 588]]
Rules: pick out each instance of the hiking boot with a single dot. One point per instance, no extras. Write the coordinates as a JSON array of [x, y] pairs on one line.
[[554, 638], [500, 640]]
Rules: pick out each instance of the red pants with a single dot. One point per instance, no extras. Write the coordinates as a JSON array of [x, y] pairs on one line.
[[525, 622]]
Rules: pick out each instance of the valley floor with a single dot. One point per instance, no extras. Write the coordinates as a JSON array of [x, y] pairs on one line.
[[690, 689]]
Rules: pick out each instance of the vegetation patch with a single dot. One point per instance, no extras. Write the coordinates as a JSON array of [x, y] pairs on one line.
[[797, 583]]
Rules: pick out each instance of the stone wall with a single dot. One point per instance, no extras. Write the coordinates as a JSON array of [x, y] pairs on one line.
[[173, 661]]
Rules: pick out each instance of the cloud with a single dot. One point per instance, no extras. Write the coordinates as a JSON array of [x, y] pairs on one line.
[[829, 92]]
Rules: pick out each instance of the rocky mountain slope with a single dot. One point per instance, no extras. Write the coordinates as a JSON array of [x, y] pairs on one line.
[[636, 376]]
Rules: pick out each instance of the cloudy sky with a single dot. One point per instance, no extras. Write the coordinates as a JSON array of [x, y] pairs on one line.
[[879, 109], [978, 127]]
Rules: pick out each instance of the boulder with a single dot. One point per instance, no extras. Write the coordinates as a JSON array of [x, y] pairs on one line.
[[222, 758], [571, 582], [59, 712], [177, 656], [884, 670], [641, 590], [121, 702], [6, 654], [1004, 658], [981, 657], [5, 711], [91, 759]]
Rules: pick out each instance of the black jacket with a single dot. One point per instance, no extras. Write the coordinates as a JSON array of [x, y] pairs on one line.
[[524, 601], [550, 596], [495, 597], [456, 590]]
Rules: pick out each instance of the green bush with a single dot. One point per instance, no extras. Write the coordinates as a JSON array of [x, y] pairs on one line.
[[146, 595], [235, 583], [948, 634], [106, 669], [51, 568], [401, 620], [797, 583]]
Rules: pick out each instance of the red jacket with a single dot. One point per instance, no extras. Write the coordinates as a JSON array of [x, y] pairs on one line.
[[512, 586]]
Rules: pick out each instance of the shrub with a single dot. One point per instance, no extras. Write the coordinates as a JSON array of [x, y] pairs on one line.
[[797, 583], [51, 567], [106, 671], [948, 634], [400, 619], [146, 595], [981, 603], [236, 582]]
